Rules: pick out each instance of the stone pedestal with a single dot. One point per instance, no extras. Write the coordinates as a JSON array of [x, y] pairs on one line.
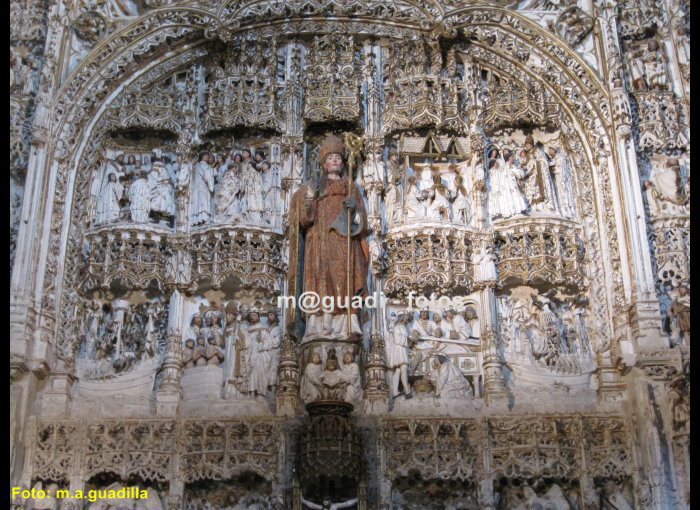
[[57, 399], [202, 382]]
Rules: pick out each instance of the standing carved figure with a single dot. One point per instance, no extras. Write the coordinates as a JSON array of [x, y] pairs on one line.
[[228, 191], [505, 197], [139, 198], [564, 180], [319, 217], [399, 356], [311, 381], [539, 179], [253, 190], [108, 201], [202, 189], [162, 189], [680, 312]]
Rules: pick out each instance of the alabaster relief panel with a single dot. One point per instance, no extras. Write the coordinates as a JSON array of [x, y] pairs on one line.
[[230, 349], [434, 353], [545, 338], [120, 335]]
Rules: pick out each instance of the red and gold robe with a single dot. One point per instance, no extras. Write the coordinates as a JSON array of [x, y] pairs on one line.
[[325, 249]]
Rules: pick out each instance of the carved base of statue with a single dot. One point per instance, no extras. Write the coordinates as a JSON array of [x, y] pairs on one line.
[[330, 326], [202, 382]]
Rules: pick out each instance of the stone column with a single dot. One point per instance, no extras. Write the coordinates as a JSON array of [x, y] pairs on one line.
[[169, 392], [287, 396], [495, 392], [376, 388], [643, 315]]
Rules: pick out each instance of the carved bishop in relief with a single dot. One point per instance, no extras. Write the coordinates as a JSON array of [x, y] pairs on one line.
[[318, 222]]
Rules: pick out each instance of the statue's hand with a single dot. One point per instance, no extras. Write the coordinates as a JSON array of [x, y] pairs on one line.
[[312, 190], [349, 203]]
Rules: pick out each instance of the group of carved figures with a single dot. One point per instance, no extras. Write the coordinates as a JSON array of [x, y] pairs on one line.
[[542, 330], [224, 188], [513, 183], [331, 380], [117, 336], [247, 349], [234, 187], [140, 187], [410, 342]]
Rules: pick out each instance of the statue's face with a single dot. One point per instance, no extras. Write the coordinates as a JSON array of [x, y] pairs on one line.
[[438, 319], [112, 178], [197, 321], [332, 365], [449, 314], [333, 163], [470, 314], [253, 318], [347, 358], [190, 344], [246, 154], [551, 152], [682, 291], [132, 160], [424, 315], [436, 363], [230, 318], [120, 158], [271, 318], [315, 359], [528, 146]]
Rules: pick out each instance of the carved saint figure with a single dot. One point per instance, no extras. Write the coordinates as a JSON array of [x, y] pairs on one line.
[[319, 216], [351, 375], [139, 198], [664, 192], [680, 312], [256, 339], [273, 341], [312, 379], [415, 200], [399, 356], [563, 179], [333, 382], [162, 189], [393, 197], [253, 189], [188, 354], [505, 197], [460, 207], [108, 201], [202, 189], [439, 206], [680, 402], [538, 180], [228, 191], [449, 381]]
